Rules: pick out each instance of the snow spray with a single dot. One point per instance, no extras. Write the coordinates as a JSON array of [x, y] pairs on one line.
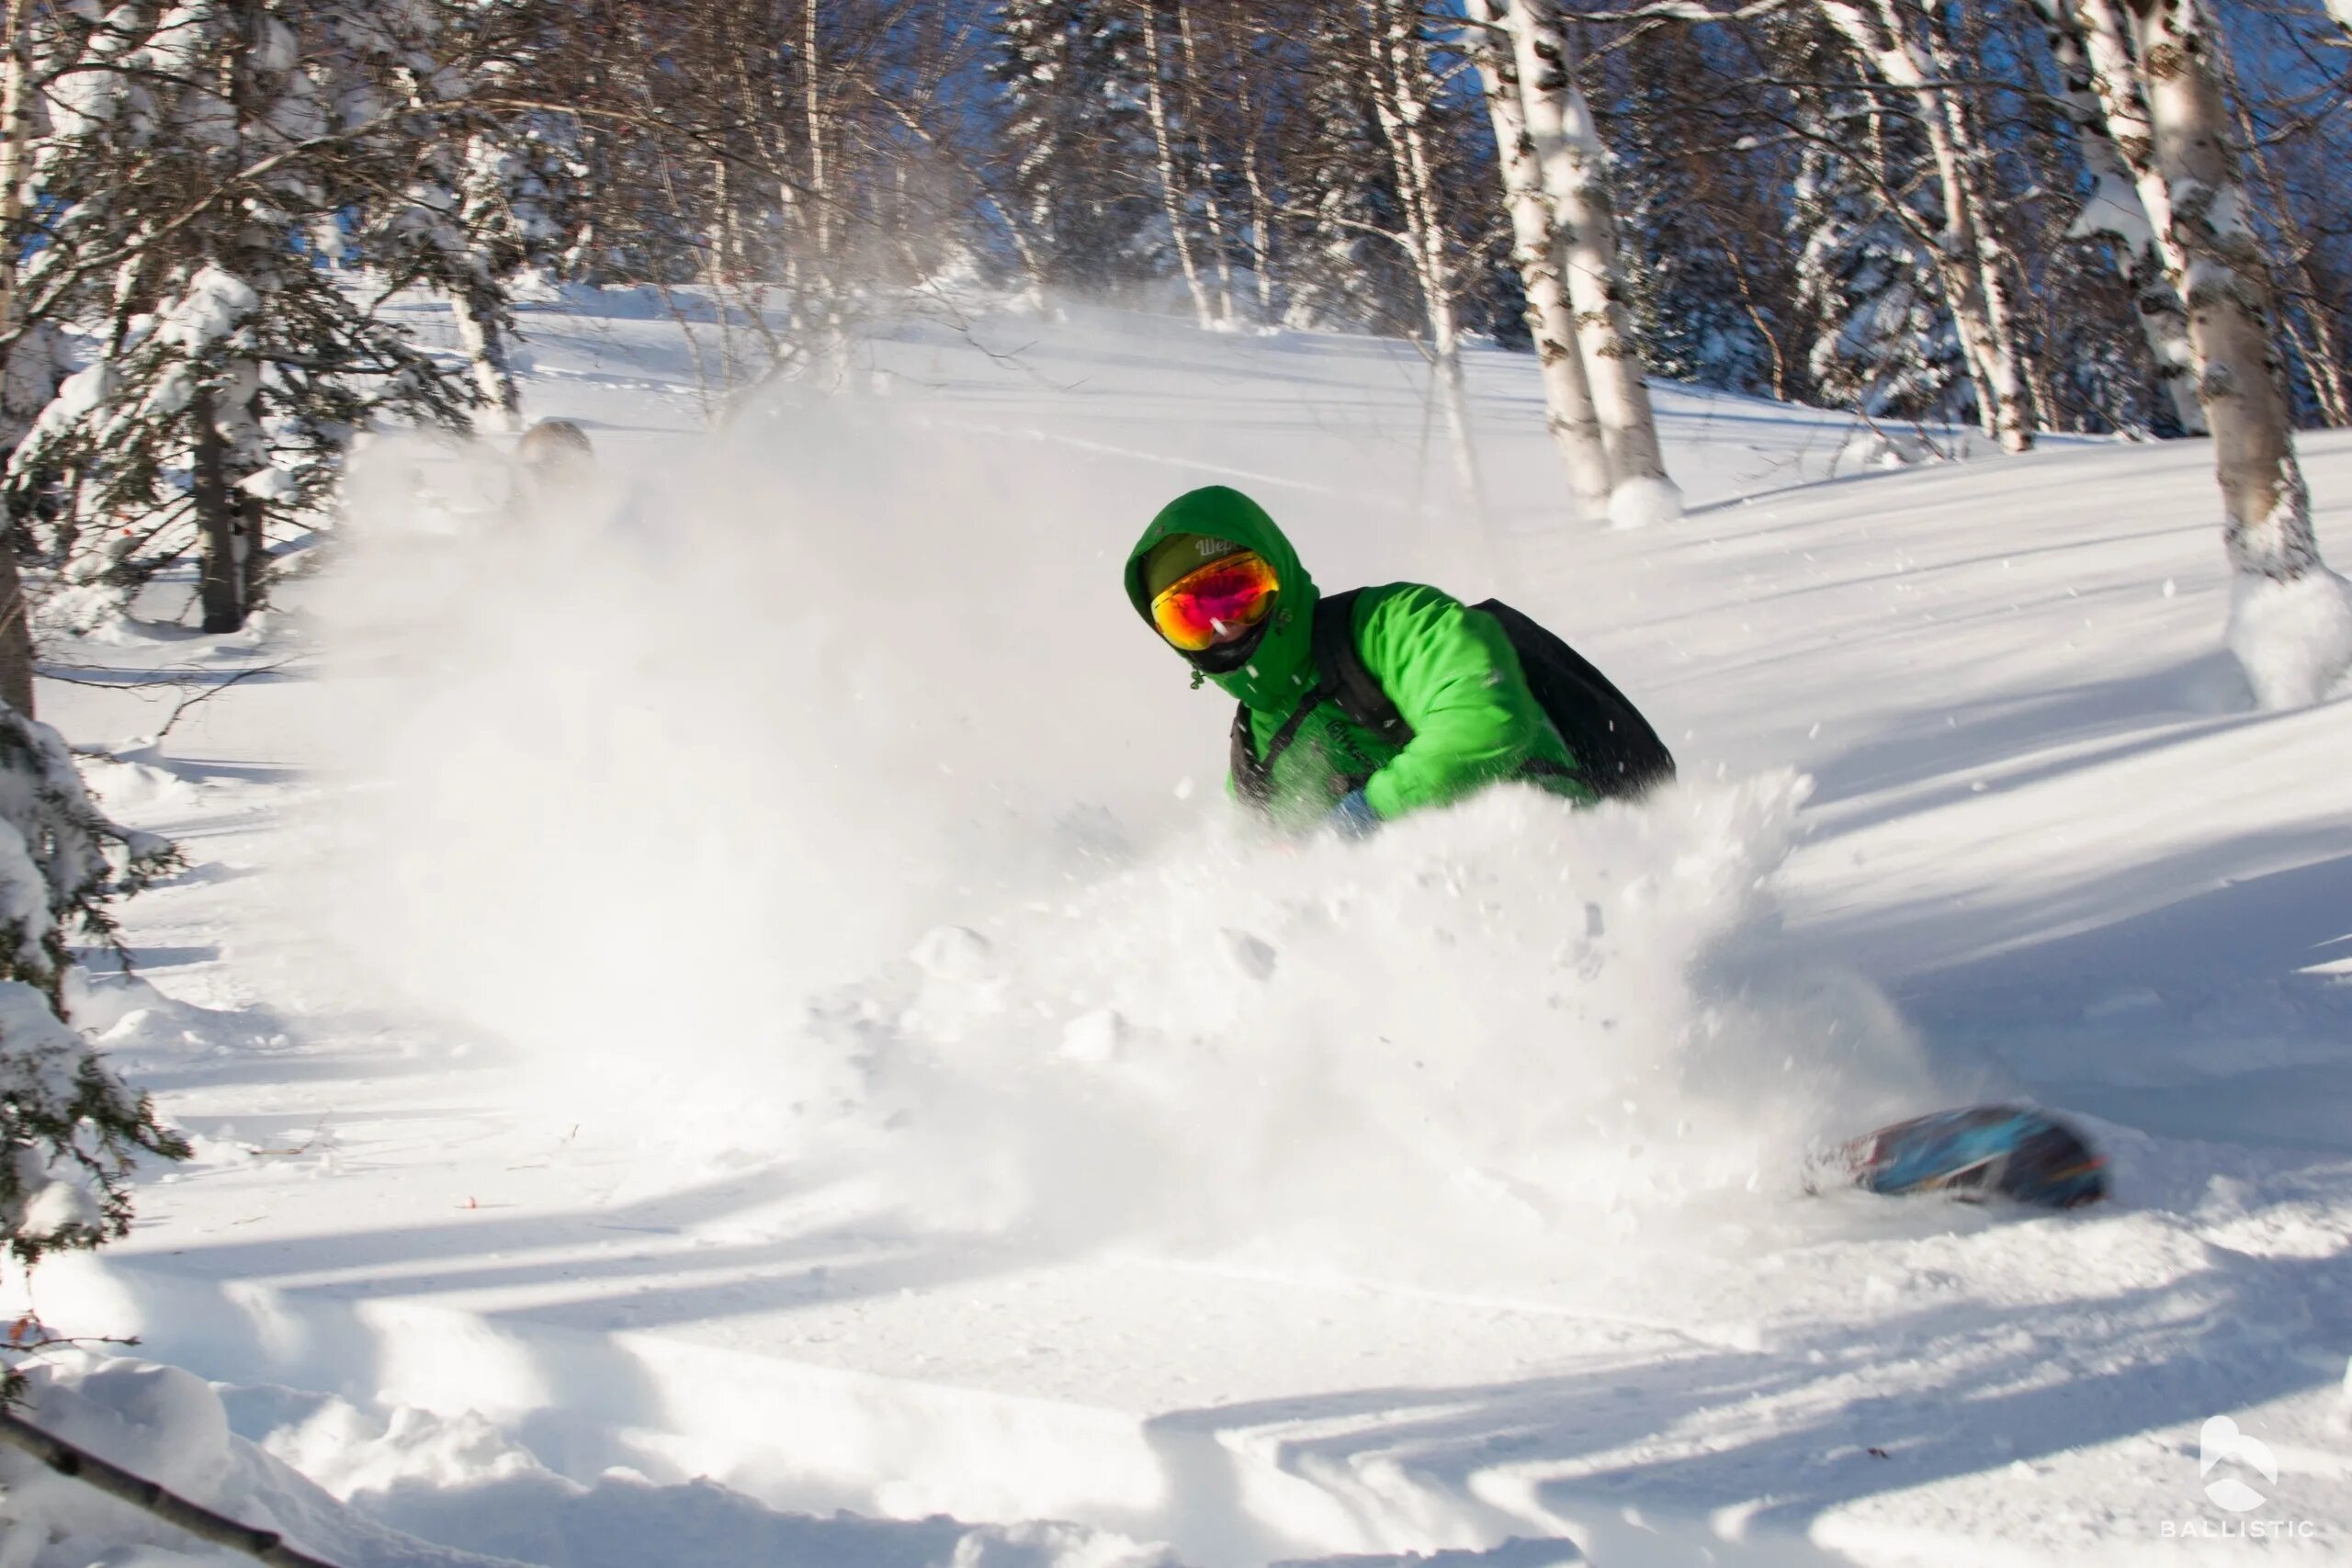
[[830, 805]]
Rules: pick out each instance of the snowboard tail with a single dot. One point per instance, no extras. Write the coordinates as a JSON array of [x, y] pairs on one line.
[[1982, 1151]]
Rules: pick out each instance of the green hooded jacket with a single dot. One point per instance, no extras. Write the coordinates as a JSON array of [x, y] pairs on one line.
[[1449, 669]]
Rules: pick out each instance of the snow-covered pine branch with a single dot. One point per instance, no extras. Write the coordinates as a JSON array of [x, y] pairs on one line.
[[69, 1129]]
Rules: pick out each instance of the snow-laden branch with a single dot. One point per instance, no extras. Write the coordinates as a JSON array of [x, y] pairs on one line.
[[104, 1475]]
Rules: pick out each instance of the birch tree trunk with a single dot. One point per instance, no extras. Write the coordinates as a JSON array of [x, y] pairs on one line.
[[2006, 352], [2117, 209], [15, 136], [1206, 174], [830, 361], [1172, 197], [1261, 226], [493, 370], [2291, 618], [1565, 144], [1539, 251], [812, 108], [2316, 340], [1393, 71]]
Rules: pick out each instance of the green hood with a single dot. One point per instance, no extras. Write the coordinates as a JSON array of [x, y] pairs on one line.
[[1284, 663]]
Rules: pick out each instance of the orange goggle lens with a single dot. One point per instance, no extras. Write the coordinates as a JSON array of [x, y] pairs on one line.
[[1211, 605]]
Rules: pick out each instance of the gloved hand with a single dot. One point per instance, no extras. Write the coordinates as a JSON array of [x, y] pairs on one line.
[[1352, 816]]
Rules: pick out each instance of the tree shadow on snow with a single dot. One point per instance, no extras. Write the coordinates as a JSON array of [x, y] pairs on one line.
[[2023, 740]]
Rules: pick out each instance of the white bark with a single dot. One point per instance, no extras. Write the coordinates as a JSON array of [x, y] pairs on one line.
[[1966, 256], [16, 137], [1395, 76], [1262, 228], [2008, 357], [1567, 146], [494, 373], [1212, 208], [1539, 251], [829, 322], [2291, 618], [812, 106], [2311, 331], [1172, 197], [2117, 209]]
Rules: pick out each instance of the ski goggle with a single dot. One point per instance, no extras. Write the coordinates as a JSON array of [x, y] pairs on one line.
[[1206, 607]]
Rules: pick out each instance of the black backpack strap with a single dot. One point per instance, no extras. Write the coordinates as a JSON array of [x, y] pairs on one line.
[[1348, 680], [1342, 678], [1253, 780], [1253, 776]]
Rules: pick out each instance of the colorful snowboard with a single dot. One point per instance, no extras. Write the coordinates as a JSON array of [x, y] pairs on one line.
[[1984, 1151]]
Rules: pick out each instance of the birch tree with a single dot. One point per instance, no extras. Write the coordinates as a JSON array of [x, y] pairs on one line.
[[2117, 209], [1540, 251], [2290, 617], [1566, 148], [2310, 316], [1171, 188], [1397, 78], [29, 361], [1967, 254], [202, 163], [1208, 172]]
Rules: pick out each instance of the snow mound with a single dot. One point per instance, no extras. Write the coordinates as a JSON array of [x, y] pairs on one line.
[[1639, 503], [166, 1425], [463, 1481], [126, 787], [2294, 639], [388, 1488]]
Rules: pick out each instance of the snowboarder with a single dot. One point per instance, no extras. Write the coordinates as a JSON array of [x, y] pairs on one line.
[[1220, 582], [555, 456]]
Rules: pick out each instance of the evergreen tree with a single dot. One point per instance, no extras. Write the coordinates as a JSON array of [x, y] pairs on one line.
[[1345, 268], [1708, 271], [216, 162], [1080, 151], [1878, 337], [69, 1129]]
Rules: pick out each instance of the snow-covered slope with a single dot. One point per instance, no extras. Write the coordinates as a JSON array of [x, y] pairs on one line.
[[745, 973]]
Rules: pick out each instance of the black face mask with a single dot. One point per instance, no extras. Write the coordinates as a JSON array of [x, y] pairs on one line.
[[1227, 657]]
